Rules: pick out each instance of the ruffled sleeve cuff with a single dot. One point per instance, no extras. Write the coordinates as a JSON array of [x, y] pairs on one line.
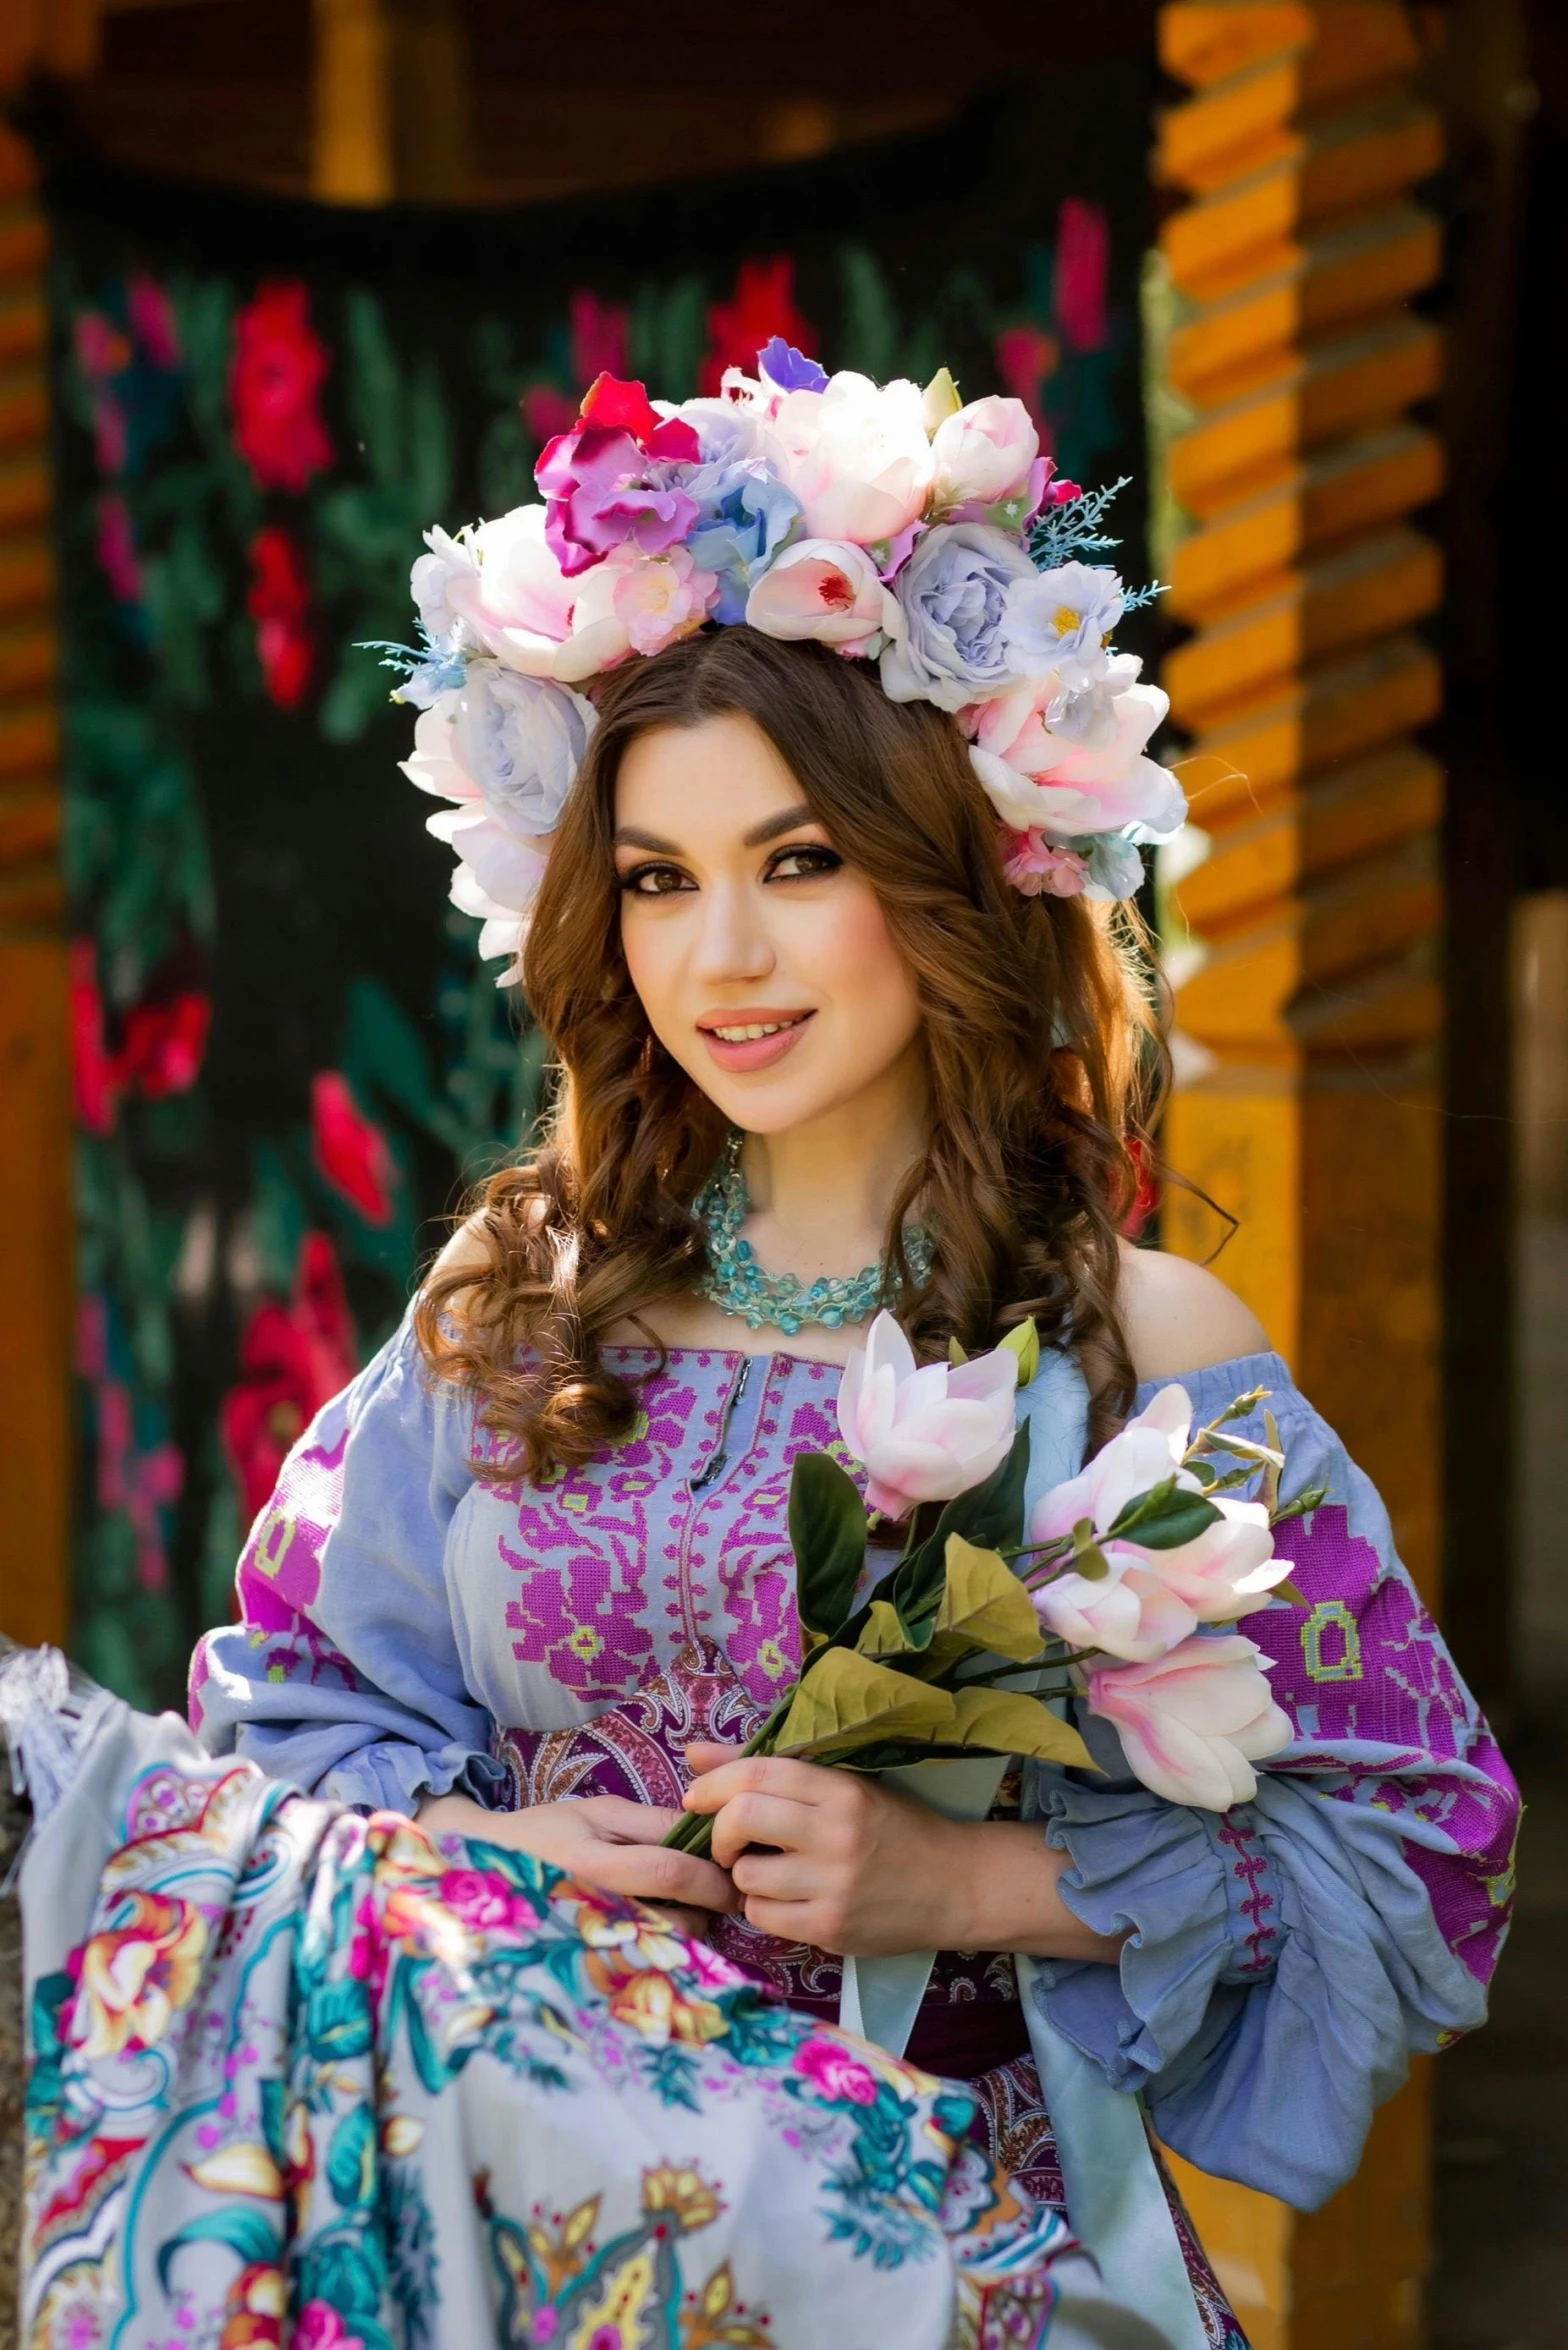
[[1194, 1893], [392, 1774]]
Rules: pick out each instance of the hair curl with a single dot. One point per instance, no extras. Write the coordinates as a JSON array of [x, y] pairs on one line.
[[1043, 1062]]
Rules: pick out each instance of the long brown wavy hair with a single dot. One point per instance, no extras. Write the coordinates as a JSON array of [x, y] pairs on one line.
[[1042, 1059]]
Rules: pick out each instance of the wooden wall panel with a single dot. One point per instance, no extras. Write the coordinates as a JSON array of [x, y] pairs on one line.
[[1303, 931], [35, 1077]]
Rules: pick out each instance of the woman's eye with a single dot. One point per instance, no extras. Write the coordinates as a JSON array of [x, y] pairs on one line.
[[806, 862], [654, 881]]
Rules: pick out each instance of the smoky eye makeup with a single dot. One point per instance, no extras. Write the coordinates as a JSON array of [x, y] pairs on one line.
[[653, 878], [804, 860]]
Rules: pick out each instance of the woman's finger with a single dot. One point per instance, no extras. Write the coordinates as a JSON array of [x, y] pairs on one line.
[[657, 1873], [762, 1819], [790, 1921], [761, 1774], [619, 1820], [707, 1754], [777, 1876]]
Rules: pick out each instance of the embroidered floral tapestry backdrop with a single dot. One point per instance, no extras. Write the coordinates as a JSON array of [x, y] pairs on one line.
[[289, 1059]]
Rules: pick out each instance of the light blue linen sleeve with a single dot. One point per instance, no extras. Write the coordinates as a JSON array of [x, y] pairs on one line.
[[1283, 1959], [346, 1672]]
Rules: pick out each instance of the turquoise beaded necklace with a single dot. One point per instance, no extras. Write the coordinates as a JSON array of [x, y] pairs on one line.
[[737, 1284]]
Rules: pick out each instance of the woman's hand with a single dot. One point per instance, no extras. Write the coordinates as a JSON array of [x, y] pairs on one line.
[[835, 1859], [607, 1839]]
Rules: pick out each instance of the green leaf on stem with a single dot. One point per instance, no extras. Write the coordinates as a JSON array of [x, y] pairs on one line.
[[955, 1354], [1268, 1492], [1313, 1498], [1288, 1592], [990, 1515], [827, 1531], [847, 1699], [1008, 1721], [1024, 1342], [1165, 1517], [882, 1634], [1089, 1560], [984, 1599]]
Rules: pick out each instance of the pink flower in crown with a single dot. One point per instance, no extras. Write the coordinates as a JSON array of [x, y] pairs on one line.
[[834, 2073], [1193, 1722], [983, 454], [502, 586], [638, 603], [826, 590], [599, 481], [857, 456], [924, 1432], [1071, 763], [1037, 870]]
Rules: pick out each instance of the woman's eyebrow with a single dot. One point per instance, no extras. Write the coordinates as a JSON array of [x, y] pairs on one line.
[[628, 837], [786, 821]]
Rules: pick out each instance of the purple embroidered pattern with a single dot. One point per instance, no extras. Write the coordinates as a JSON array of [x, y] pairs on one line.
[[1364, 1672], [1251, 1867], [582, 1549], [755, 1567]]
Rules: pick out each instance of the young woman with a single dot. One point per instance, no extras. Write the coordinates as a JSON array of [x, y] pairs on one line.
[[829, 1038]]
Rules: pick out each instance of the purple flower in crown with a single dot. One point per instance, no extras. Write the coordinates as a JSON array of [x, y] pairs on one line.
[[602, 480], [789, 370]]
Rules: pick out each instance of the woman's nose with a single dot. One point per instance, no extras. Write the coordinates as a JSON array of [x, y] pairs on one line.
[[733, 942]]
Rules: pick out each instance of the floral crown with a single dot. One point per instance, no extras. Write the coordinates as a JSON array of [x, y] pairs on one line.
[[894, 525]]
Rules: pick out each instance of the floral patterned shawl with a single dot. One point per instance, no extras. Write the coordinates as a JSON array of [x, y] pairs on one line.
[[299, 2075]]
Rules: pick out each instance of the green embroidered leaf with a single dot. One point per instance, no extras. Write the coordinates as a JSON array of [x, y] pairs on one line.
[[337, 2021], [272, 2095], [341, 2271], [351, 2157], [984, 1599], [250, 2235], [827, 1532]]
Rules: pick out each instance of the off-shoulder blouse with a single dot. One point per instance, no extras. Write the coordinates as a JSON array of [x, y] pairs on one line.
[[397, 1613]]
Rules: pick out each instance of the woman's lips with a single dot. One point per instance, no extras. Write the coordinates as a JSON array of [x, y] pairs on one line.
[[754, 1052]]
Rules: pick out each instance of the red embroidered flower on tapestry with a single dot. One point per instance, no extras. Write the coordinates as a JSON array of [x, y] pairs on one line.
[[279, 604], [292, 1358], [350, 1150], [275, 380]]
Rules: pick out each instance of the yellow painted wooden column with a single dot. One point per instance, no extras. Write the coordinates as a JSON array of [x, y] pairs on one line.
[[35, 1084], [1302, 911]]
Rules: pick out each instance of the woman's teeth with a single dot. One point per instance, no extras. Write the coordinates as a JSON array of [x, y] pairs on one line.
[[755, 1029]]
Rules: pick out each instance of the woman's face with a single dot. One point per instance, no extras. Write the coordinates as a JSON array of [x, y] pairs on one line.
[[763, 959]]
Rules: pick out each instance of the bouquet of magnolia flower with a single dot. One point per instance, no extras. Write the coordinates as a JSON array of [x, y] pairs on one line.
[[986, 1618]]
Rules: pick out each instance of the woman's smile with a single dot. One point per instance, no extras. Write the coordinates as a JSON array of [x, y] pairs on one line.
[[753, 1038]]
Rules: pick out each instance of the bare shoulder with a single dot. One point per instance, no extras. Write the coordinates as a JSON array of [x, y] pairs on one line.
[[1178, 1317]]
